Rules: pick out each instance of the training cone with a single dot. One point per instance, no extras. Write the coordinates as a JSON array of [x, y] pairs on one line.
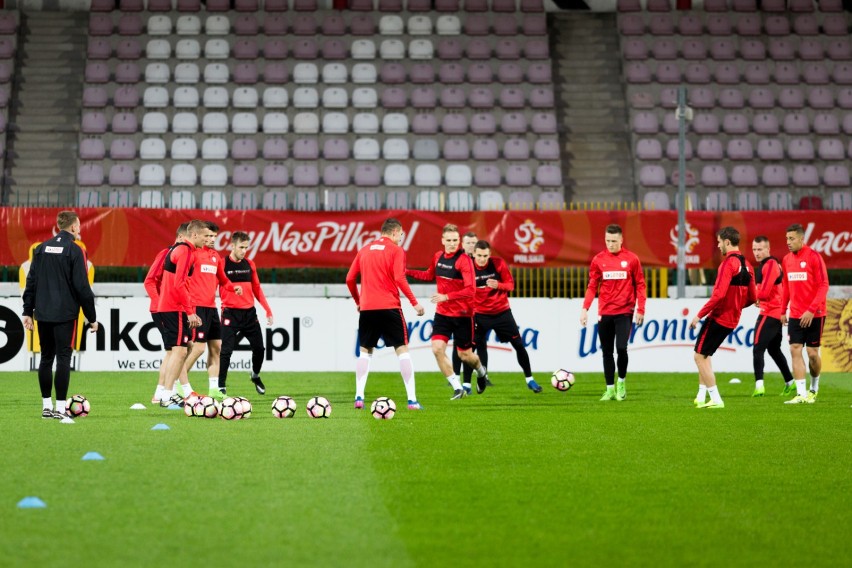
[[92, 456], [31, 503], [159, 427], [735, 381], [138, 406], [67, 420]]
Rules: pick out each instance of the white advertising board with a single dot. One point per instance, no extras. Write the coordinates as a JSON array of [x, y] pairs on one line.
[[320, 334]]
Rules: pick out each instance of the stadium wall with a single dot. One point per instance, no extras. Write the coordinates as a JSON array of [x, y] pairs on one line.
[[319, 334]]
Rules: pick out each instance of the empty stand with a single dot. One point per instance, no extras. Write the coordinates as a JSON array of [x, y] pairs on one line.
[[298, 109]]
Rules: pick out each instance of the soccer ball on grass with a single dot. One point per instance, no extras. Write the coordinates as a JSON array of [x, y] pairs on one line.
[[206, 407], [232, 408], [318, 407], [78, 406], [283, 407], [383, 408], [562, 380], [189, 404]]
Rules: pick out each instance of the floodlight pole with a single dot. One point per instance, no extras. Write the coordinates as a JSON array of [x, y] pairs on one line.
[[681, 192]]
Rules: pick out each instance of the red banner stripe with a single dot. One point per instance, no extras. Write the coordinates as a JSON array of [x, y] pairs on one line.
[[132, 237]]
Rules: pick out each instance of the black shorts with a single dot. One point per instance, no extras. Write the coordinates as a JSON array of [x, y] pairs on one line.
[[238, 323], [711, 337], [211, 328], [767, 332], [387, 324], [503, 324], [176, 330], [158, 321], [460, 329], [809, 336]]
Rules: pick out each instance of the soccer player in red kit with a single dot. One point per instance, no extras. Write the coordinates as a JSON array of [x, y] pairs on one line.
[[452, 269], [805, 287], [734, 290], [153, 280], [492, 311], [767, 336], [468, 241], [239, 316], [177, 313], [381, 265], [208, 276], [618, 274]]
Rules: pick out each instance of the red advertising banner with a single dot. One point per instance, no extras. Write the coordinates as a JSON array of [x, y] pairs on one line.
[[132, 237]]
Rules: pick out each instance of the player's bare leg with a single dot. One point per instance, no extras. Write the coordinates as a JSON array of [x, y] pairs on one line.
[[798, 373], [161, 379], [469, 357], [707, 383], [814, 368], [173, 371], [194, 352], [439, 350], [214, 351]]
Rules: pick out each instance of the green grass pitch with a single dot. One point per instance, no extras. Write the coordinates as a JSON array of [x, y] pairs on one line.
[[508, 478]]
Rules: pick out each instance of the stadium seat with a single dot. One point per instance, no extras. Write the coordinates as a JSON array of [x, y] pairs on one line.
[[214, 175], [214, 149], [184, 149], [152, 175]]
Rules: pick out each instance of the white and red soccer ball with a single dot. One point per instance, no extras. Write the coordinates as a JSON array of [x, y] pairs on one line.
[[562, 380], [383, 408], [283, 407], [206, 407], [189, 404], [78, 406], [235, 408], [318, 407]]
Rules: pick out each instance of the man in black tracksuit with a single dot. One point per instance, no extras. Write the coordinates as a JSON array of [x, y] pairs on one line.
[[57, 287]]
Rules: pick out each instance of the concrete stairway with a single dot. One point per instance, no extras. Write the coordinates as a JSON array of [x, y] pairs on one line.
[[591, 108], [42, 157]]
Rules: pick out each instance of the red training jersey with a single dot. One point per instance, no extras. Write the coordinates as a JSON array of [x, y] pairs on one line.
[[381, 265], [207, 276], [154, 279], [243, 272], [621, 281], [174, 289], [805, 283], [454, 275], [734, 290], [769, 287], [492, 300]]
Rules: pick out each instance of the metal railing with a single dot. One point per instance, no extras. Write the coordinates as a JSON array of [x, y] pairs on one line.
[[572, 281]]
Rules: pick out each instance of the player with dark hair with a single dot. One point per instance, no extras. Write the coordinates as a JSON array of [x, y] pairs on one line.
[[805, 288], [57, 288], [152, 286], [734, 290], [177, 312], [207, 277], [492, 311], [239, 315], [381, 266], [616, 277], [452, 269], [767, 335]]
